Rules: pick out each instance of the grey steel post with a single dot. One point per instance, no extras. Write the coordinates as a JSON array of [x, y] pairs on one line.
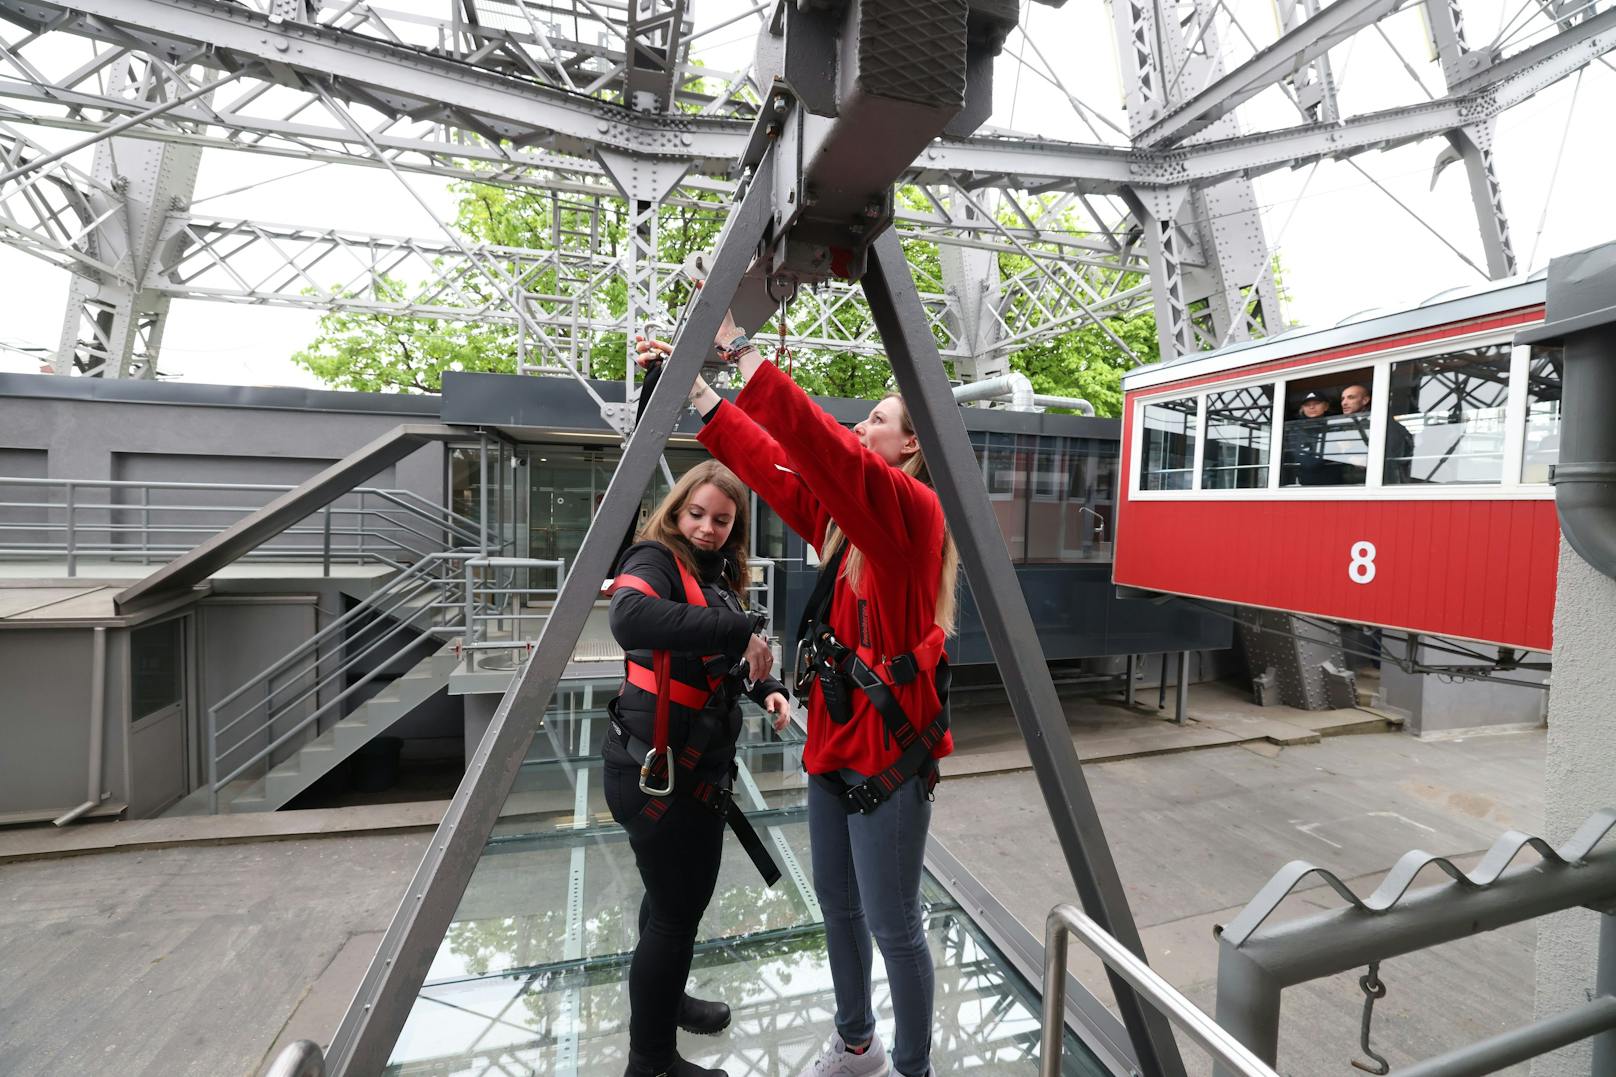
[[1605, 984], [145, 524], [369, 1029], [482, 492], [1248, 1005], [1181, 694], [72, 552], [918, 368], [326, 543], [1133, 666]]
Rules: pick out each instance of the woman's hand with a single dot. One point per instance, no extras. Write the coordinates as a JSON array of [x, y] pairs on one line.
[[759, 659], [648, 352], [779, 709]]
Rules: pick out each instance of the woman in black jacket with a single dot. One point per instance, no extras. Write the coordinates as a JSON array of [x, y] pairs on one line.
[[677, 613]]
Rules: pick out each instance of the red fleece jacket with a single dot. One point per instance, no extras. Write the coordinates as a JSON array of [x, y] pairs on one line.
[[813, 471]]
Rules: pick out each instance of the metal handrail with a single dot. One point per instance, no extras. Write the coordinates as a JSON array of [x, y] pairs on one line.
[[383, 603], [301, 1059], [388, 525], [1068, 920], [463, 614]]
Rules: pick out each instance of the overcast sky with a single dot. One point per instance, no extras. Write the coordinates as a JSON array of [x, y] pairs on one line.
[[1345, 245]]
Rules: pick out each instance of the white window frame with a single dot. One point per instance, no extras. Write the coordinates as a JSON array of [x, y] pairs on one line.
[[1510, 489]]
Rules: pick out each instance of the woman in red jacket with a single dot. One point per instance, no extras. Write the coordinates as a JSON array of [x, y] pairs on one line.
[[876, 721]]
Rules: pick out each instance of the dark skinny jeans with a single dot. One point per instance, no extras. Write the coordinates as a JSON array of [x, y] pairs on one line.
[[678, 857]]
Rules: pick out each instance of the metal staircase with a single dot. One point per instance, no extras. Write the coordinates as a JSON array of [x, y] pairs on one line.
[[294, 722]]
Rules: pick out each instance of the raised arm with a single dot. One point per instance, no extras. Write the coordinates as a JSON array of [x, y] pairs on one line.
[[883, 511], [758, 460]]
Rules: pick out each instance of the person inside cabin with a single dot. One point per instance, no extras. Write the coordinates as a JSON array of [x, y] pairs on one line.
[[1305, 461], [1355, 400]]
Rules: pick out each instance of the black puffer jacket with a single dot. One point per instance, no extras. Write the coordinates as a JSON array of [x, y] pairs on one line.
[[642, 624]]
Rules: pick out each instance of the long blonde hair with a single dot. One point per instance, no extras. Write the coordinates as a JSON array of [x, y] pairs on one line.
[[914, 466], [663, 526]]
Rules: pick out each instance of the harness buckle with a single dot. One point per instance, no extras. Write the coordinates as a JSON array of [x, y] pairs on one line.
[[903, 668], [862, 798], [645, 773]]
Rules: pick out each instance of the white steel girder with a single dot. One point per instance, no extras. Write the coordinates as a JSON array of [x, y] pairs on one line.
[[512, 99]]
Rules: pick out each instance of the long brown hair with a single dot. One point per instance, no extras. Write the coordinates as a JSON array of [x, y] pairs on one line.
[[914, 465], [663, 526]]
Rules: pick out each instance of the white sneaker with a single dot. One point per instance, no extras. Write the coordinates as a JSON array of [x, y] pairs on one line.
[[838, 1061]]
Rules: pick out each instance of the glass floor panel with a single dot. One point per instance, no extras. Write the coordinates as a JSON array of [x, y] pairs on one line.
[[531, 977]]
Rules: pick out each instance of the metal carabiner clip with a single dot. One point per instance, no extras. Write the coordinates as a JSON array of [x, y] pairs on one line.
[[645, 774]]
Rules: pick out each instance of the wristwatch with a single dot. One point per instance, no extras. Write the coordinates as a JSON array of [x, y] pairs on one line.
[[738, 344]]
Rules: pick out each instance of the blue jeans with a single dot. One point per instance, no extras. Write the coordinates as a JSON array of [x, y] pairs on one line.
[[867, 877]]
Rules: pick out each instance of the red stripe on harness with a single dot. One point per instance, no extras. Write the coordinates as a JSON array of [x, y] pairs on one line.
[[659, 679]]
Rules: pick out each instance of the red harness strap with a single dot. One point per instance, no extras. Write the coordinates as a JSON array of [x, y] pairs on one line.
[[659, 679]]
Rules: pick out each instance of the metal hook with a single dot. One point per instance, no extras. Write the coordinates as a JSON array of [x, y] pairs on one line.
[[1373, 989]]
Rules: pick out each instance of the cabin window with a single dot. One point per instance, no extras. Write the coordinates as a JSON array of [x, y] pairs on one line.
[[1239, 423], [1542, 413], [1326, 438], [1169, 445], [1446, 423]]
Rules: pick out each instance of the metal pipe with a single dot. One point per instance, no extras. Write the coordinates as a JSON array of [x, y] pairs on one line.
[[1248, 1006], [1071, 403], [1605, 985], [1581, 317], [1519, 1044], [1067, 920], [1013, 385], [98, 722], [1341, 939]]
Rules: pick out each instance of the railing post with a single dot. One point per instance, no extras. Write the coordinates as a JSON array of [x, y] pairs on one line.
[[362, 525], [213, 761], [1248, 1005], [469, 629], [72, 544], [1605, 984], [327, 542], [1055, 942], [145, 523]]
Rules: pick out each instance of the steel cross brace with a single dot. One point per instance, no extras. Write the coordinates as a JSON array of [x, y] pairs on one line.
[[387, 993]]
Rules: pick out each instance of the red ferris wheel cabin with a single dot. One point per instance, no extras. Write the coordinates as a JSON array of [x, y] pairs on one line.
[[1390, 470]]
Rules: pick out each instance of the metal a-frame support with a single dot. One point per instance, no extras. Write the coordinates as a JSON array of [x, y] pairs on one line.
[[366, 1036]]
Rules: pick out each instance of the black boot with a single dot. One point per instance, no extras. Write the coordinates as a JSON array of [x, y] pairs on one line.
[[702, 1017], [641, 1066]]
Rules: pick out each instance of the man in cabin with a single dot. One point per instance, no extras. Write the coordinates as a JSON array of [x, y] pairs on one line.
[[1355, 400]]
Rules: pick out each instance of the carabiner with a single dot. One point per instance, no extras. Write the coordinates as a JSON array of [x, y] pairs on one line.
[[645, 774]]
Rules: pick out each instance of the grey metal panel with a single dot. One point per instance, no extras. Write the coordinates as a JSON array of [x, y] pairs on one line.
[[49, 387], [220, 550]]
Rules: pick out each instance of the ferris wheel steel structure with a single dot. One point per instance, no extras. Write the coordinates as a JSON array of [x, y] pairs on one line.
[[604, 109]]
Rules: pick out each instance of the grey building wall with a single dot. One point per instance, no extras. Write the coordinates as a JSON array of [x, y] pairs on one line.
[[45, 720], [91, 429]]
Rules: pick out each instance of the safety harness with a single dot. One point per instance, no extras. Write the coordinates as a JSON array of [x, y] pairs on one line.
[[662, 773], [840, 668]]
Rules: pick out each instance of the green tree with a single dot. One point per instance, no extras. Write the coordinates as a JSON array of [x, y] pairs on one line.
[[378, 351]]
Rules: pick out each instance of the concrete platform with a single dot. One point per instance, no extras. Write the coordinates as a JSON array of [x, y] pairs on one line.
[[198, 946], [1196, 835]]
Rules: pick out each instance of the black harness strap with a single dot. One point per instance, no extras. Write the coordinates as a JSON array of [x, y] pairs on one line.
[[719, 798], [842, 664]]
